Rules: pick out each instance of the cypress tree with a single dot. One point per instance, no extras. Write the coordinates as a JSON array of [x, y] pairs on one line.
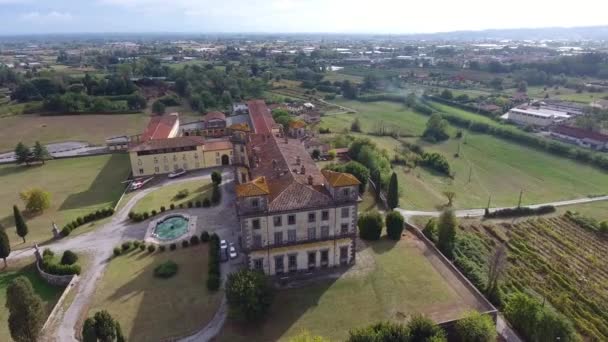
[[5, 245], [392, 196], [446, 233], [20, 223], [26, 310]]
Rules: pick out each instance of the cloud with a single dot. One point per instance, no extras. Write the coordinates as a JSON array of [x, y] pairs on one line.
[[53, 16]]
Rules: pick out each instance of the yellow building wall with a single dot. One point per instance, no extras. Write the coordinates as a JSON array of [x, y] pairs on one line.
[[163, 163]]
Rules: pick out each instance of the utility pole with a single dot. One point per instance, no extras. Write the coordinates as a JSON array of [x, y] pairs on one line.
[[470, 173], [489, 200], [521, 192]]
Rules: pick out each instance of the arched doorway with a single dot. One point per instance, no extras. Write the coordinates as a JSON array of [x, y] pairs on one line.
[[225, 160]]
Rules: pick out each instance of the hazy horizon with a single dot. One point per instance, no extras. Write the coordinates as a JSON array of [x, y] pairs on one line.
[[23, 17]]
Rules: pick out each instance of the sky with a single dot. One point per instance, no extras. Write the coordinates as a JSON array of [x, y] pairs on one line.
[[336, 16]]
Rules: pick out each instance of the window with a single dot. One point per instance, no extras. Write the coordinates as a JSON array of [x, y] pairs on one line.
[[312, 233], [291, 219], [324, 258], [217, 154], [345, 212], [155, 160], [343, 255], [141, 171], [325, 232], [279, 266], [345, 192], [278, 238], [183, 156], [312, 260], [344, 228], [312, 217], [291, 235], [156, 169], [257, 240], [165, 159], [166, 168], [255, 223], [258, 264], [196, 156], [174, 157], [139, 162], [293, 262], [185, 166], [277, 221], [255, 202], [325, 215]]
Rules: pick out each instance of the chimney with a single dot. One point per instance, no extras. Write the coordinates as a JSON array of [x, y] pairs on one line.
[[303, 170], [310, 179]]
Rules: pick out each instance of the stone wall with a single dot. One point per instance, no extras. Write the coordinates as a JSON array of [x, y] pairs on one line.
[[56, 280]]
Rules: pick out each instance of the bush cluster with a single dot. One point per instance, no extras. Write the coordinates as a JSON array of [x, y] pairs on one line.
[[166, 270], [370, 226], [205, 236], [520, 211], [216, 195], [69, 258], [213, 280], [50, 265], [79, 221]]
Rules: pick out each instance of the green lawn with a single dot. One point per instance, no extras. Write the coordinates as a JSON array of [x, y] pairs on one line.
[[564, 94], [49, 294], [597, 210], [389, 282], [198, 191], [498, 167], [153, 309], [77, 186]]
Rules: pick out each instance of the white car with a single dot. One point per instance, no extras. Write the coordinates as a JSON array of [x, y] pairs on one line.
[[177, 173], [232, 251], [223, 244]]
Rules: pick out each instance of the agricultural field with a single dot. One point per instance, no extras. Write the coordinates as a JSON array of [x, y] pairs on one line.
[[557, 260], [25, 267], [150, 308], [197, 190], [337, 76], [565, 94], [390, 281], [29, 128], [486, 166], [77, 187]]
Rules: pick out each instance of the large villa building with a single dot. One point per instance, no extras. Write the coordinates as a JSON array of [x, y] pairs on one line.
[[294, 218]]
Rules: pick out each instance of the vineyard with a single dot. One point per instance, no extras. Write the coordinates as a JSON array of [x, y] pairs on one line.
[[554, 258]]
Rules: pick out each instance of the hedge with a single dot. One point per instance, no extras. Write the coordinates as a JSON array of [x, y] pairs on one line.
[[205, 203], [519, 211], [49, 265], [90, 217], [213, 280]]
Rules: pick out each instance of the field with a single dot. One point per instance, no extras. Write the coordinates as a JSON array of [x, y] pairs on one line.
[[389, 282], [49, 294], [152, 309], [77, 187], [497, 168], [165, 196], [560, 261], [565, 94], [46, 129]]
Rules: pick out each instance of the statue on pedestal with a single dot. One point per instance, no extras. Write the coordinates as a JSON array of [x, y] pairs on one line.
[[55, 231]]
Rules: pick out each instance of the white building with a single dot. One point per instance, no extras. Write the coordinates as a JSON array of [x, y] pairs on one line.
[[531, 116]]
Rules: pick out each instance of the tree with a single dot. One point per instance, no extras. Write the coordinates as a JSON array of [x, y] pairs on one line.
[[423, 329], [20, 225], [450, 196], [446, 233], [523, 312], [430, 230], [316, 154], [447, 94], [105, 327], [436, 129], [88, 331], [555, 327], [40, 152], [36, 200], [376, 179], [349, 90], [394, 225], [476, 327], [5, 245], [392, 196], [522, 86], [249, 295], [158, 107], [26, 310], [383, 331], [22, 154], [216, 177], [496, 268], [136, 102], [356, 126], [370, 225]]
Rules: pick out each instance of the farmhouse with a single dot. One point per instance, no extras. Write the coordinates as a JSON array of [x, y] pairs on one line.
[[213, 125], [294, 218]]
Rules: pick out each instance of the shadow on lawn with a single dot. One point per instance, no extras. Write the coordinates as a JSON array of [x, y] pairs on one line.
[[98, 192]]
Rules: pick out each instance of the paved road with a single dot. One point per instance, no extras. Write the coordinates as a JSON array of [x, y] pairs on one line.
[[480, 212], [63, 149], [100, 243]]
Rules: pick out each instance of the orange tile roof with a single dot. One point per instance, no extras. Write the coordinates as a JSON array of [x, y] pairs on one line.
[[215, 115], [256, 187], [160, 126], [297, 124], [338, 179], [216, 145]]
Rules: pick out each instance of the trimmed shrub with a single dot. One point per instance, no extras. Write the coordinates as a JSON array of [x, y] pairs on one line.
[[162, 248], [47, 253], [142, 247], [153, 212], [181, 205], [172, 206], [162, 208], [198, 204], [190, 205], [69, 258], [145, 215], [194, 240], [370, 226], [151, 248], [166, 270], [205, 236], [80, 221], [49, 265], [136, 244], [126, 246], [520, 211], [216, 194], [394, 225], [206, 203], [172, 246], [185, 243], [66, 231], [116, 251]]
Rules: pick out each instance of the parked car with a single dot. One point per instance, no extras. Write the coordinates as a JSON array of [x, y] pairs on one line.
[[177, 173], [232, 251], [223, 244]]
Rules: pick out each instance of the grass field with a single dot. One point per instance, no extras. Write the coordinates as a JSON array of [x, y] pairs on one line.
[[389, 282], [198, 191], [49, 294], [499, 168], [46, 129], [77, 187], [565, 94], [152, 309], [334, 76]]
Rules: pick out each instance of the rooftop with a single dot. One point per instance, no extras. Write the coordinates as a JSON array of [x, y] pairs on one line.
[[580, 133], [215, 116], [159, 127], [541, 112], [178, 142]]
